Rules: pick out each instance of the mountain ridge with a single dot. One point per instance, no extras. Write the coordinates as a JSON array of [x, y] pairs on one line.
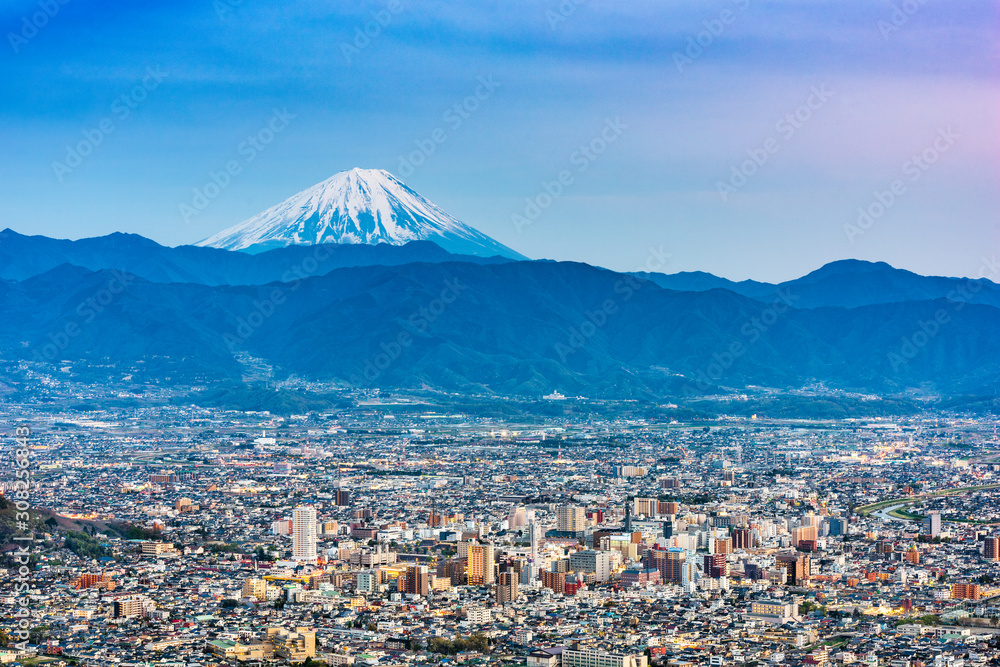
[[834, 284], [845, 282], [515, 328], [22, 256]]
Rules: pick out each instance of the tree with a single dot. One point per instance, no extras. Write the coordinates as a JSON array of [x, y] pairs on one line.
[[38, 634], [311, 662]]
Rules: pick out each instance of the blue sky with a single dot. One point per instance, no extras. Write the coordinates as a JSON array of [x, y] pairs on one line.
[[165, 94]]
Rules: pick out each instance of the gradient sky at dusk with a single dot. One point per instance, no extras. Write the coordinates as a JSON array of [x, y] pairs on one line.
[[894, 85]]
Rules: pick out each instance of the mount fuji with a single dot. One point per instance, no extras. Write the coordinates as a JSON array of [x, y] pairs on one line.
[[359, 206]]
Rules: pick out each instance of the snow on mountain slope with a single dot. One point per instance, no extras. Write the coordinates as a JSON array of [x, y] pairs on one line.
[[367, 206]]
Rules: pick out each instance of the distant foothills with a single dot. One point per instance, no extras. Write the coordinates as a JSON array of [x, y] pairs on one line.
[[414, 316], [358, 281]]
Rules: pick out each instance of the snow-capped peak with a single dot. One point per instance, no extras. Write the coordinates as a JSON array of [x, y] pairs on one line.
[[357, 206]]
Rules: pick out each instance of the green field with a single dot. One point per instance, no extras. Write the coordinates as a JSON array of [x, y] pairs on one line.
[[909, 500]]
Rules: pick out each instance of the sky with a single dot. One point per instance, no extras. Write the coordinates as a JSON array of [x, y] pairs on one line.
[[746, 138]]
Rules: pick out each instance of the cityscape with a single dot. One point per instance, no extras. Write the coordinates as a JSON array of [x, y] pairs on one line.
[[548, 333], [390, 532]]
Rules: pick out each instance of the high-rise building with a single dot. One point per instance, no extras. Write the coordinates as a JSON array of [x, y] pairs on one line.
[[343, 497], [517, 518], [304, 533], [796, 566], [94, 580], [255, 588], [555, 581], [481, 565], [645, 506], [742, 539], [932, 524], [715, 566], [571, 519], [536, 540], [803, 534], [724, 546], [656, 559], [838, 526], [281, 527], [991, 548], [455, 570], [597, 562], [366, 582], [675, 560], [689, 577], [417, 580], [130, 606], [668, 563], [506, 587], [966, 591]]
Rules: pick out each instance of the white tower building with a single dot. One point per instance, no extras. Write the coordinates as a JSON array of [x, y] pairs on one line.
[[304, 533], [536, 538]]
